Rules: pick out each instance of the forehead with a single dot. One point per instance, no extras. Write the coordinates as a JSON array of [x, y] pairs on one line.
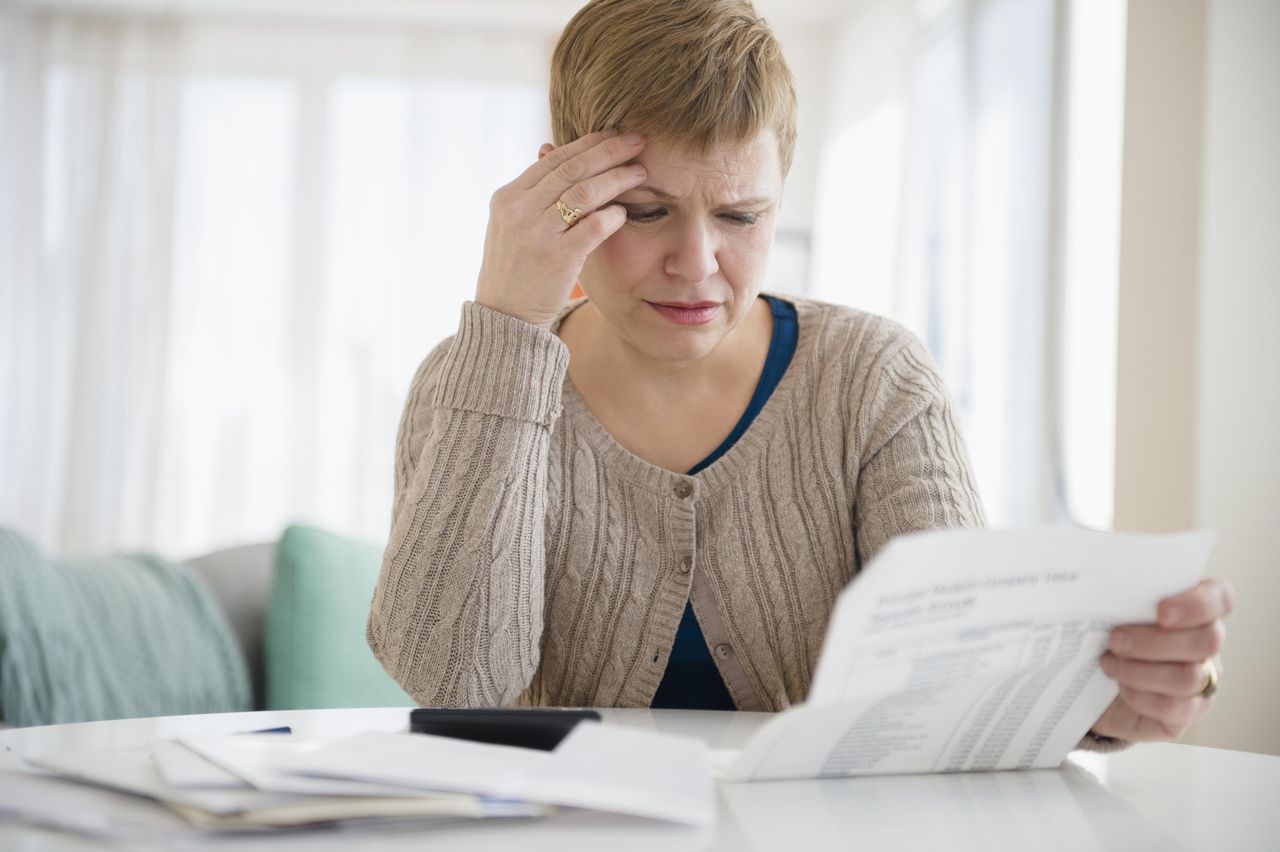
[[741, 169]]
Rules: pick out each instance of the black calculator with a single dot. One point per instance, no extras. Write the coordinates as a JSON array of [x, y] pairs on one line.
[[527, 727]]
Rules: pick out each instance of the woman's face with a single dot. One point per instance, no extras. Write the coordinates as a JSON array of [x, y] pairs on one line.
[[698, 230]]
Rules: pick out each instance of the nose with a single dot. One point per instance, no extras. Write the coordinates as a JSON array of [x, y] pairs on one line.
[[692, 257]]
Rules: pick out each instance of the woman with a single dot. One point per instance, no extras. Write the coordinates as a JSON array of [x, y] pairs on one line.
[[652, 497]]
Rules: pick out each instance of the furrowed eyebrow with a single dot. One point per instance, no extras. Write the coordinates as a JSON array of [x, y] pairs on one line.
[[666, 196]]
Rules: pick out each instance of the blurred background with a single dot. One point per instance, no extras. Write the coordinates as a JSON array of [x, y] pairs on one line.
[[231, 229]]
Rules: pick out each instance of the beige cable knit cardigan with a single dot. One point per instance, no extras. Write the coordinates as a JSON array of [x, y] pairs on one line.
[[534, 560]]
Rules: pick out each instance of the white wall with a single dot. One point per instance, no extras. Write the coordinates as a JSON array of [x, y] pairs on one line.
[[1198, 398], [1159, 265], [1239, 356], [807, 48]]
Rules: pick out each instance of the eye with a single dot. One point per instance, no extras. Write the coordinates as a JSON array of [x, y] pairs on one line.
[[653, 214]]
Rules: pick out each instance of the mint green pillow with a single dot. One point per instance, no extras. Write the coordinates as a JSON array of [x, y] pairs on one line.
[[316, 654], [111, 637]]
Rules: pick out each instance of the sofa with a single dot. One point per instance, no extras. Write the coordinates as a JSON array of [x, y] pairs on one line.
[[267, 625], [239, 578]]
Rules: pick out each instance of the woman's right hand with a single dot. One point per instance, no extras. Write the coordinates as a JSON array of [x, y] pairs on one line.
[[531, 257]]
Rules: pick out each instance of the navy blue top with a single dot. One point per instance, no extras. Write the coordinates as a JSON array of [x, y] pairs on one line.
[[692, 681]]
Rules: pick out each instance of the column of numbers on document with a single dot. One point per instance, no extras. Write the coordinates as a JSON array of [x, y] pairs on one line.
[[1004, 675]]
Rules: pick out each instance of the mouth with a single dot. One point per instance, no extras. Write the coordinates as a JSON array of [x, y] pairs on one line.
[[687, 313]]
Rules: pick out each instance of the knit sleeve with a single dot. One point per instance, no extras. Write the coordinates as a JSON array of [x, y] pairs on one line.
[[913, 468], [456, 616], [1096, 742]]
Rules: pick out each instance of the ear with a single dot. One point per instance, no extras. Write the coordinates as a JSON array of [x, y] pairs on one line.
[[545, 149]]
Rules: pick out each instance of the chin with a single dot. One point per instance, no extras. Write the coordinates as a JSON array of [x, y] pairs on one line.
[[679, 346]]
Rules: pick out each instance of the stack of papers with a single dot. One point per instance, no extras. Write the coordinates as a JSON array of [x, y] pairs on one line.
[[270, 782]]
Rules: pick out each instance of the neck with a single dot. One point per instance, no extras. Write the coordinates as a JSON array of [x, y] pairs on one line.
[[738, 357]]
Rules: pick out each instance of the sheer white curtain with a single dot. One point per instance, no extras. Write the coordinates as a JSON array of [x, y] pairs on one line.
[[224, 248], [934, 209]]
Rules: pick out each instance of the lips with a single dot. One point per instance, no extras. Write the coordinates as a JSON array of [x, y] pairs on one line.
[[687, 313]]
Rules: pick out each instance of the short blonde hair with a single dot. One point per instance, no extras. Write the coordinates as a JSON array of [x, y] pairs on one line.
[[693, 73]]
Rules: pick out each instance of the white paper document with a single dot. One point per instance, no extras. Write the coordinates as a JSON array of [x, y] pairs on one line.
[[132, 770], [970, 650], [203, 800], [418, 762], [603, 767], [627, 770], [254, 759], [247, 782], [183, 769]]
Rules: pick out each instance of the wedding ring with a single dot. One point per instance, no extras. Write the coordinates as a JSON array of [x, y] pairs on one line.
[[1210, 680], [568, 214]]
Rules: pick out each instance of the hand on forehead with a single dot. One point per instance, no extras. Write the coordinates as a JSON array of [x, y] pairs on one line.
[[729, 173]]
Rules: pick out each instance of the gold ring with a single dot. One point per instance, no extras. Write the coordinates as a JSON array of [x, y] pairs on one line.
[[569, 215], [1210, 687]]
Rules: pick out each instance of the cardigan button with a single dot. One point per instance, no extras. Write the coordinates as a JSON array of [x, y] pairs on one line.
[[683, 489], [686, 565], [723, 650]]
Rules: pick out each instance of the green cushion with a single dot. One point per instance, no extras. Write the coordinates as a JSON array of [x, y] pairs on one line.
[[316, 654], [110, 637]]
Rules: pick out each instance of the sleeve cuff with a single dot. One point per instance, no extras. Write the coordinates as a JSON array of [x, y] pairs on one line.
[[1095, 742], [503, 366]]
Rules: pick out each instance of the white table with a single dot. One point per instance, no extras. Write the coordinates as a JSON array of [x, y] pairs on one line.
[[1160, 796]]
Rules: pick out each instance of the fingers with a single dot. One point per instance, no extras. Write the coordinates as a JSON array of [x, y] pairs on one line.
[[1211, 599], [586, 236], [584, 165], [532, 255], [1160, 667], [1179, 680], [588, 180], [1158, 644], [595, 192], [531, 176], [1172, 714]]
